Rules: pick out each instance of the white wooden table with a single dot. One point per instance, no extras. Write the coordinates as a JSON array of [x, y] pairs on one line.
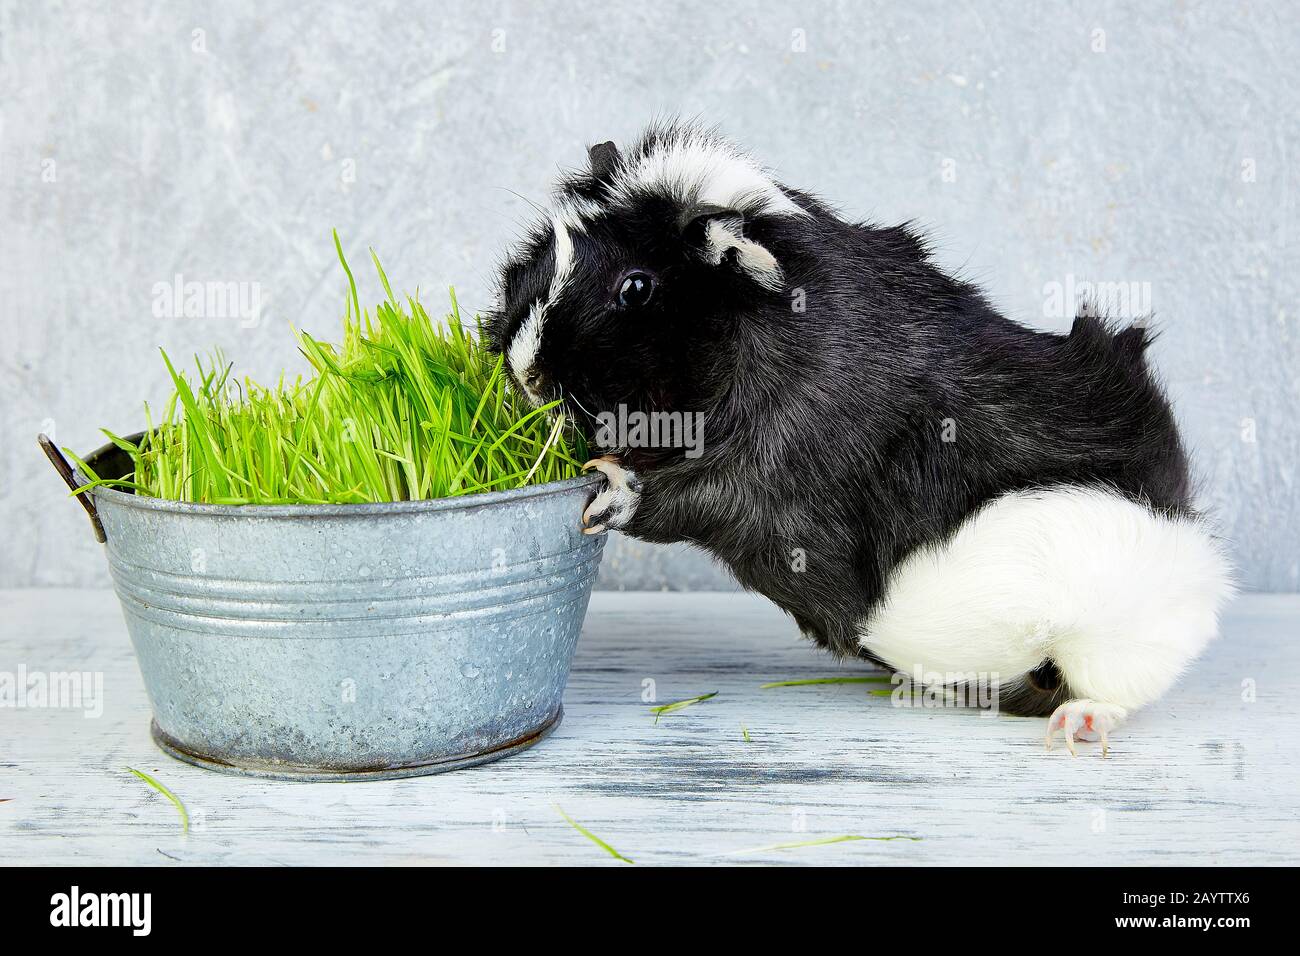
[[1204, 776]]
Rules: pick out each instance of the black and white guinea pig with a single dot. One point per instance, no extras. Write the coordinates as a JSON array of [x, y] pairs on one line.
[[915, 478]]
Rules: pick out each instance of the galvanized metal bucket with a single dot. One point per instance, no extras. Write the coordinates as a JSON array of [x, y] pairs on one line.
[[347, 642]]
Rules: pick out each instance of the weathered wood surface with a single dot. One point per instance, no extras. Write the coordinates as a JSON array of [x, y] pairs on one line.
[[1204, 776]]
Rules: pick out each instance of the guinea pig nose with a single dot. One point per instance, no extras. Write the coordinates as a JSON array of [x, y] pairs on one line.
[[534, 380]]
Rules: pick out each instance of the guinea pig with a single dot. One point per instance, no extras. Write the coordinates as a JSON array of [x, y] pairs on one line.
[[913, 477]]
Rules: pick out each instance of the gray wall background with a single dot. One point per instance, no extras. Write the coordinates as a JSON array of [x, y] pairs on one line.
[[1038, 143]]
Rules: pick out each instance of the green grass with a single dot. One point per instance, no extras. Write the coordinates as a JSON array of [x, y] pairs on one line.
[[824, 841], [591, 836], [175, 801], [402, 408], [680, 705], [826, 680]]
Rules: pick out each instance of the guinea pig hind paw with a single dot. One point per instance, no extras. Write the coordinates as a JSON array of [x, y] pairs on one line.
[[1084, 720]]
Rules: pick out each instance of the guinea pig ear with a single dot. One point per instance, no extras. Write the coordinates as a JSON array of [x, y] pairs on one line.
[[604, 159], [719, 235]]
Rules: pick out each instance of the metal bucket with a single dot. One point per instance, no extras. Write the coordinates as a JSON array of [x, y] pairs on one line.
[[347, 642]]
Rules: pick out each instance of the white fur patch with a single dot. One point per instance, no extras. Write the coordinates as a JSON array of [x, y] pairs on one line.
[[523, 349], [563, 255], [617, 502], [695, 167], [1120, 598], [760, 264], [572, 210], [526, 343]]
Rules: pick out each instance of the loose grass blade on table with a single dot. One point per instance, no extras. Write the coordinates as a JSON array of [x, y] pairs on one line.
[[591, 836], [680, 705], [882, 679], [823, 841], [171, 797]]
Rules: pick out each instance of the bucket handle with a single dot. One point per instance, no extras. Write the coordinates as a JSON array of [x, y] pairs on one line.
[[70, 476]]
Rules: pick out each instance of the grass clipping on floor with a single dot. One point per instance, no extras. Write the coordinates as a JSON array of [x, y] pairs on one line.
[[401, 409]]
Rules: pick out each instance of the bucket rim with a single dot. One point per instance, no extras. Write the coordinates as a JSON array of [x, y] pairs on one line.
[[112, 496]]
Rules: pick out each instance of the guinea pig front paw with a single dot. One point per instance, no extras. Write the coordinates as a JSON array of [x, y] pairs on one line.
[[1084, 720], [617, 501]]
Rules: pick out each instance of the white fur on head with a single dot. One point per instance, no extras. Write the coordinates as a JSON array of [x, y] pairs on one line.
[[723, 234], [523, 349], [694, 167], [697, 169]]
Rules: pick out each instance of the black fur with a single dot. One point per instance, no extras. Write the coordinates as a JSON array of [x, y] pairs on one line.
[[824, 428]]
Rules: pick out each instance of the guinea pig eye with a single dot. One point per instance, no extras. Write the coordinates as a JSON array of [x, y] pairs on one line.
[[636, 289]]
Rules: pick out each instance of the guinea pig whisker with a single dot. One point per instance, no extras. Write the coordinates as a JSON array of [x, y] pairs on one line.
[[573, 398], [537, 206], [569, 396]]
